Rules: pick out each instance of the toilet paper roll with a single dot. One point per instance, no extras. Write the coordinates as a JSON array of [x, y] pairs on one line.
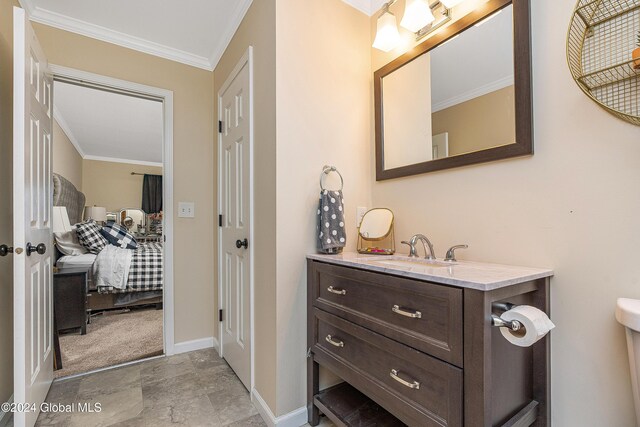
[[536, 323]]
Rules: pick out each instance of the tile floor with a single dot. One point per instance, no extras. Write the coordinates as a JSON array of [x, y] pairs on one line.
[[192, 389]]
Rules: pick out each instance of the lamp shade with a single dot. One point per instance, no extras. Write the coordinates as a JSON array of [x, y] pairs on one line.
[[451, 3], [60, 223], [95, 213], [417, 15], [387, 35]]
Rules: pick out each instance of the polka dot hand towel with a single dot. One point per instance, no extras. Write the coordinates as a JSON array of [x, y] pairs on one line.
[[330, 231]]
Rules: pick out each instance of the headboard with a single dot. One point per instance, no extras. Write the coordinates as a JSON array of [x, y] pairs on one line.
[[67, 195]]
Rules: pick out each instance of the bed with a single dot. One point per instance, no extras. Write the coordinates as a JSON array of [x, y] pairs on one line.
[[144, 281]]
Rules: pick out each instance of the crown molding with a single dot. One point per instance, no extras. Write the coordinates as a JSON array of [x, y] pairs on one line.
[[235, 21], [57, 115], [474, 93], [77, 26], [127, 161]]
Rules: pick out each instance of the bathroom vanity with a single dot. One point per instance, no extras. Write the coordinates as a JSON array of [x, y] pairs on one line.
[[414, 343]]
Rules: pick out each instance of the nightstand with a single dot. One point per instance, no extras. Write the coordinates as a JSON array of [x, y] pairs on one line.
[[70, 287]]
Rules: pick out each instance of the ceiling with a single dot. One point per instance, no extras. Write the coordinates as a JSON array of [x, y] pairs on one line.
[[195, 32], [110, 127], [366, 6]]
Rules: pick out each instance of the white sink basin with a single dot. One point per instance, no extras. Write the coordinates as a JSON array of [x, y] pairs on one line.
[[412, 263]]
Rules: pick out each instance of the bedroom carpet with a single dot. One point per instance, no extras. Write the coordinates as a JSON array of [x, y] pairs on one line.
[[112, 338]]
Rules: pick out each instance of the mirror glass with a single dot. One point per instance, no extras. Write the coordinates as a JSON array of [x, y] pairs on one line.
[[455, 99], [376, 224], [132, 218]]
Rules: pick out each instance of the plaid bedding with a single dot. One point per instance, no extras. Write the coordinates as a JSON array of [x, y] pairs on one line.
[[145, 273]]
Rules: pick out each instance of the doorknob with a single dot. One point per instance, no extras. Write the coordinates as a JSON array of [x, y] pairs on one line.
[[5, 250], [241, 243], [40, 249]]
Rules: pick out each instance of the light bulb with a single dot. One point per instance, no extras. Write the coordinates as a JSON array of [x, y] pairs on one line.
[[387, 35], [417, 15]]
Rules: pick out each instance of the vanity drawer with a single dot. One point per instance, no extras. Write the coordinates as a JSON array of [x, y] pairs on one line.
[[422, 315], [418, 389]]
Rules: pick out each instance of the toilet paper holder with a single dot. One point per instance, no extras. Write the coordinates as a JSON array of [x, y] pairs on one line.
[[499, 322]]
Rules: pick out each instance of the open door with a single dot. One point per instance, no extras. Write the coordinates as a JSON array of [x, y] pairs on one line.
[[32, 202]]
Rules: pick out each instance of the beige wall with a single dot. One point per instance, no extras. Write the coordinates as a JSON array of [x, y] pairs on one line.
[[323, 82], [193, 137], [482, 122], [6, 199], [258, 30], [571, 207], [112, 186], [66, 159]]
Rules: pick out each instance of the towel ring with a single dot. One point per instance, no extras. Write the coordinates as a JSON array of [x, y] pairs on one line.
[[326, 170]]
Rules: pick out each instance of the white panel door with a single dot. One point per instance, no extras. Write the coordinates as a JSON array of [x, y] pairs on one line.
[[32, 204], [235, 257]]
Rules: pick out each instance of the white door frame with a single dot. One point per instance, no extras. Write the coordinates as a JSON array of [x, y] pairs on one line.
[[166, 96], [247, 58]]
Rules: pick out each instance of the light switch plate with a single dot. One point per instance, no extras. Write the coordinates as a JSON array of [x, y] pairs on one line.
[[360, 211], [186, 210]]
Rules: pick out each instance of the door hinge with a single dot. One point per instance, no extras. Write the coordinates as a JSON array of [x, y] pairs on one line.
[[220, 316], [219, 126], [220, 220], [164, 238], [309, 354]]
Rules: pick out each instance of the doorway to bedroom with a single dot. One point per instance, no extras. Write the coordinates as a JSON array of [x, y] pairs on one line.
[[111, 155]]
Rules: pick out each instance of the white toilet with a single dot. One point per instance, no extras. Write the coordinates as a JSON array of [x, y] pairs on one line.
[[628, 313]]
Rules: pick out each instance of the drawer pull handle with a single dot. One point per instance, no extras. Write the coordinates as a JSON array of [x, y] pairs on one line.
[[333, 342], [337, 291], [396, 376], [413, 314]]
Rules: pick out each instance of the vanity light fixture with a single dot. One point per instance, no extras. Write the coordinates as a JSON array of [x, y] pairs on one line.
[[417, 15], [387, 35], [419, 18]]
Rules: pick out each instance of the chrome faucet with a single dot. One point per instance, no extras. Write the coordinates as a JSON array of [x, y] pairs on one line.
[[451, 256], [413, 253]]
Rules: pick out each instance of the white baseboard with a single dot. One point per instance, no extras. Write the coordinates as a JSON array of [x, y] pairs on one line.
[[5, 416], [294, 418], [187, 346]]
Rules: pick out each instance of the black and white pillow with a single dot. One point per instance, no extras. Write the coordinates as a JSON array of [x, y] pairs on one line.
[[119, 236], [90, 237]]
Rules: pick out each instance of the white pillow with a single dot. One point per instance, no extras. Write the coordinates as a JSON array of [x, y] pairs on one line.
[[68, 243]]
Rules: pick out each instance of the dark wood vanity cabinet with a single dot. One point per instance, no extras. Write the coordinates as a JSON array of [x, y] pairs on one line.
[[417, 353]]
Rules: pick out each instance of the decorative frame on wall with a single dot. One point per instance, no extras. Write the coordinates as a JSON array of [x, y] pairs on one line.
[[601, 39], [522, 82]]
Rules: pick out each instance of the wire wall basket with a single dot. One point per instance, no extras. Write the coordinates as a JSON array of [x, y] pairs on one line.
[[602, 37]]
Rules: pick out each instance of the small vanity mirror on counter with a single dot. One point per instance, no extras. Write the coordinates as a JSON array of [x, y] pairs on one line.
[[133, 218], [461, 97], [376, 233]]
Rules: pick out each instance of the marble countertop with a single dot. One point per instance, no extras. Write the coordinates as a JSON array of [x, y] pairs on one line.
[[465, 274]]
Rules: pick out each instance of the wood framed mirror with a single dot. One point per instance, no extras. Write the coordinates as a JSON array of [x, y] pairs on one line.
[[459, 98]]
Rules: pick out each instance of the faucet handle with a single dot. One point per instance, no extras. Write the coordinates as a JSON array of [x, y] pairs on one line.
[[451, 256], [412, 249]]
